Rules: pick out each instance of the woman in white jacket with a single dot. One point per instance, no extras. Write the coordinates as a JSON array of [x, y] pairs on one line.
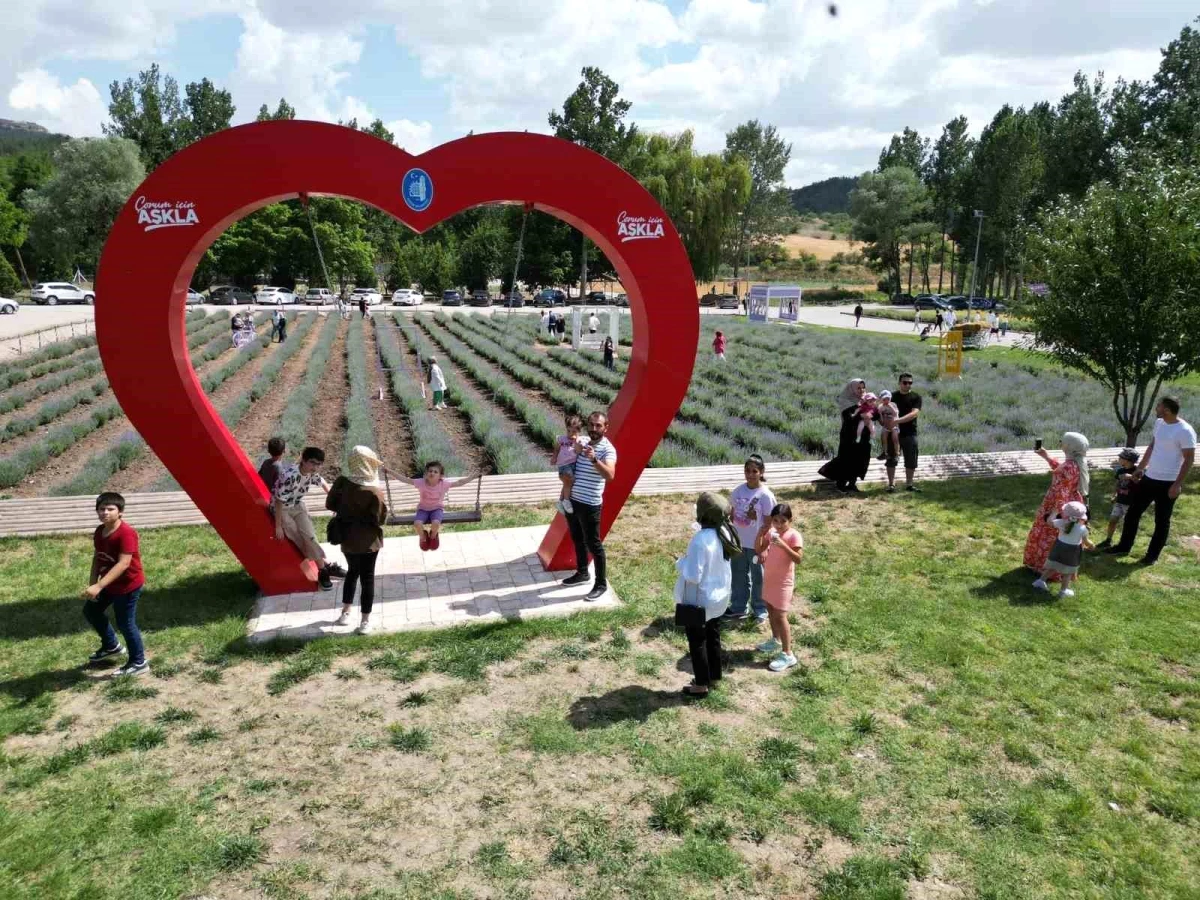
[[705, 580]]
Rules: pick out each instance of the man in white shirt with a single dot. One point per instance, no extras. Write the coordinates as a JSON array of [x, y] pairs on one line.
[[595, 467], [1160, 475]]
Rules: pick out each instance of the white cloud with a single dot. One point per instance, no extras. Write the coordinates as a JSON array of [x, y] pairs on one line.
[[415, 137], [73, 109]]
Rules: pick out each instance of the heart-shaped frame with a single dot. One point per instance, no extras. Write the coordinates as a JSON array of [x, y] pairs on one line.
[[188, 201]]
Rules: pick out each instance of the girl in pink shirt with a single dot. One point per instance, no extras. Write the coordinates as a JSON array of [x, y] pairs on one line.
[[433, 488], [781, 547]]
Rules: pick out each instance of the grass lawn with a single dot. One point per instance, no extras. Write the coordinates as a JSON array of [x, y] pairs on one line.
[[948, 734]]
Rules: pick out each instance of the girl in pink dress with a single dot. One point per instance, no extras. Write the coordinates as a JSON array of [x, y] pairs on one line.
[[433, 488], [1069, 482], [780, 547]]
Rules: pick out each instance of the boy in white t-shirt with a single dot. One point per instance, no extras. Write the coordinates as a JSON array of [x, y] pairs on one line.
[[1161, 475]]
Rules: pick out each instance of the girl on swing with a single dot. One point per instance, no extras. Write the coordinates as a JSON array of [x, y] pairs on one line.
[[433, 488]]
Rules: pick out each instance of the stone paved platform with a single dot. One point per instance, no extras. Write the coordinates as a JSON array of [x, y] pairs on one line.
[[475, 576]]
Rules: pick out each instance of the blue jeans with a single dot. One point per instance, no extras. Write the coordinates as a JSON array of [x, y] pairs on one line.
[[124, 611], [747, 585]]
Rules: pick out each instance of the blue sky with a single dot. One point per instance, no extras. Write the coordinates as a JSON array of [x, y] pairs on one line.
[[836, 86]]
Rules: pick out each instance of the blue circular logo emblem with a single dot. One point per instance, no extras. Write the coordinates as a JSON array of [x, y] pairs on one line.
[[417, 188]]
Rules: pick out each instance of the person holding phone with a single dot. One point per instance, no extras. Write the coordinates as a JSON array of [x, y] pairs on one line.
[[1069, 482]]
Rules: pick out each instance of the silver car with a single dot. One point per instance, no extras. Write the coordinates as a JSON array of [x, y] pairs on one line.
[[274, 296], [53, 293]]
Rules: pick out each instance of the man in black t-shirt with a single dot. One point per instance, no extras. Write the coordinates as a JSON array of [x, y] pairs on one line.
[[908, 402]]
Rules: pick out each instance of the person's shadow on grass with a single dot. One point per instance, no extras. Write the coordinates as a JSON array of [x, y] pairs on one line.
[[628, 704], [1016, 585]]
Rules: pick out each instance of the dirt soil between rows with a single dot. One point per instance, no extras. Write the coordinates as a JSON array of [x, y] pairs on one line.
[[391, 428], [327, 421], [262, 423]]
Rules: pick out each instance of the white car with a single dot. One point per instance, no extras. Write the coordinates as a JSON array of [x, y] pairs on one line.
[[274, 296], [318, 297], [372, 297], [8, 307], [194, 297], [53, 293], [407, 297]]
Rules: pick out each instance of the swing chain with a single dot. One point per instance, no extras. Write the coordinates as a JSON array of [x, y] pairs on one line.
[[517, 264], [316, 241]]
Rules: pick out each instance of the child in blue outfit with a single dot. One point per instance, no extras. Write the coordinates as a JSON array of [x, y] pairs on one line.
[[1127, 462]]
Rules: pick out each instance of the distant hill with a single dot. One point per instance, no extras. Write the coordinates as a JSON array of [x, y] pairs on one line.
[[21, 137], [829, 196]]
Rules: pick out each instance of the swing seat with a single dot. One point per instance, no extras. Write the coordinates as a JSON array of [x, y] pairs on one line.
[[453, 516]]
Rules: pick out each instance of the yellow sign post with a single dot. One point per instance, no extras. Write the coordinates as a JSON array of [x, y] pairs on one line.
[[950, 354]]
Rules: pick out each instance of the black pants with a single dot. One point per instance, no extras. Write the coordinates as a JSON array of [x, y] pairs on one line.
[[1149, 490], [360, 566], [584, 523], [704, 645]]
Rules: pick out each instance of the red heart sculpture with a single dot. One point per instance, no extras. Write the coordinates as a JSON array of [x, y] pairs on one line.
[[188, 201]]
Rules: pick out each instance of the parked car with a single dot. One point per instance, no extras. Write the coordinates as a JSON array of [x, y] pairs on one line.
[[622, 299], [958, 302], [53, 293], [550, 297], [406, 297], [452, 298], [728, 301], [930, 301], [709, 299], [903, 299], [373, 297], [513, 299], [227, 294], [480, 298], [194, 296], [318, 297], [602, 297], [8, 307], [274, 296]]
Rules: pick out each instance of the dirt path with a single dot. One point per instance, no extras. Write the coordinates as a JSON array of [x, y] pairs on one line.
[[148, 471], [453, 422], [459, 380], [69, 464], [391, 428], [327, 420], [262, 422]]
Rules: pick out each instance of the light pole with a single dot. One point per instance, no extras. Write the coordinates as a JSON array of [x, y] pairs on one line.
[[975, 265]]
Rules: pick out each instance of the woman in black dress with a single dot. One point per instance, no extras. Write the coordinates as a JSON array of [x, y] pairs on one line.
[[854, 449]]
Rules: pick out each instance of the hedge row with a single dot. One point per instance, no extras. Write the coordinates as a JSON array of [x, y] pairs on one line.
[[430, 439], [18, 466], [293, 422], [360, 430], [129, 446], [509, 450]]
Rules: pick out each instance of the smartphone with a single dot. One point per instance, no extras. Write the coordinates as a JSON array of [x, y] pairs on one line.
[[1037, 443]]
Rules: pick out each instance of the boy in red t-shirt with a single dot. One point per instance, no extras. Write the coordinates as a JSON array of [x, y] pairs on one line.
[[116, 581]]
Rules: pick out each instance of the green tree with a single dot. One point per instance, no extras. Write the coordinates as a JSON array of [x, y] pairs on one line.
[[702, 194], [593, 116], [883, 206], [92, 181], [25, 172], [148, 112], [282, 112], [760, 219], [906, 149], [207, 110], [1171, 101], [482, 254], [948, 164], [1078, 146], [1123, 269]]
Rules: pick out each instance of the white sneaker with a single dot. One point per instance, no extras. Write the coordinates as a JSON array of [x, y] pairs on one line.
[[344, 618], [1066, 592], [364, 627], [781, 662], [769, 646], [567, 507], [1039, 585]]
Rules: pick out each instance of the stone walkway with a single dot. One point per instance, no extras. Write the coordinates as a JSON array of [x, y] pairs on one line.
[[475, 576]]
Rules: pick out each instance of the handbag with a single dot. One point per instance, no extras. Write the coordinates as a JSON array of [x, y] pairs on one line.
[[335, 533], [688, 615]]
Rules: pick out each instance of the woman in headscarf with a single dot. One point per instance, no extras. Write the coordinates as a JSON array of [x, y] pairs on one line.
[[1069, 482], [357, 501], [854, 449], [705, 580]]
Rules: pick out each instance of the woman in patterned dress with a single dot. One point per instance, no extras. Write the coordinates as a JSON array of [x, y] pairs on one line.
[[1069, 481]]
